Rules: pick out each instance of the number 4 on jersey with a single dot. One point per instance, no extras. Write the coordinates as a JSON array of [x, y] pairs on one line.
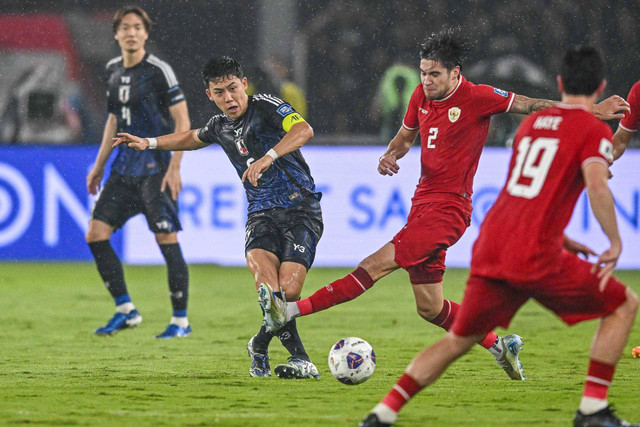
[[533, 163]]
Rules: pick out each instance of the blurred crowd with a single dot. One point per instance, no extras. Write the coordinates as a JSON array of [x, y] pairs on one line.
[[361, 57], [353, 44]]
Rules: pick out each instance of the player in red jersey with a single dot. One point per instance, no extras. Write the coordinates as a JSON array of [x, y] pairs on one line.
[[452, 116], [629, 124], [521, 251]]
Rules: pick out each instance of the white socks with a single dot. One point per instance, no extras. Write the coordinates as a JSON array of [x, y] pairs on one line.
[[385, 414], [496, 349], [591, 405], [125, 308], [292, 311], [183, 322]]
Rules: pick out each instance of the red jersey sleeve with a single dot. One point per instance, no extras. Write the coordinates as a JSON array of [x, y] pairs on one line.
[[631, 121], [411, 116], [597, 147], [489, 100]]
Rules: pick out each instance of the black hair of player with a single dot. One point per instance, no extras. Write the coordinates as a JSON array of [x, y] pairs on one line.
[[117, 18], [447, 47], [582, 70], [219, 68]]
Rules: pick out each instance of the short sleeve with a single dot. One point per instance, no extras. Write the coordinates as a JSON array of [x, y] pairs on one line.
[[489, 100], [207, 134], [276, 112], [598, 146], [410, 120], [631, 121], [169, 88]]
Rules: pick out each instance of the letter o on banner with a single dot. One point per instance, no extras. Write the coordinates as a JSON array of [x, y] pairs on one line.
[[15, 215]]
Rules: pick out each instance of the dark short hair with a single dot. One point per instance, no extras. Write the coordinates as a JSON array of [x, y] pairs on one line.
[[582, 70], [447, 47], [117, 18], [220, 68]]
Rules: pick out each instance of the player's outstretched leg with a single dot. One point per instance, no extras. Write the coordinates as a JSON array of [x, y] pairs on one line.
[[274, 308]]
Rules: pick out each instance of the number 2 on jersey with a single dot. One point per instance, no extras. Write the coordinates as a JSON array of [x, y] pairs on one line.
[[533, 162], [433, 134]]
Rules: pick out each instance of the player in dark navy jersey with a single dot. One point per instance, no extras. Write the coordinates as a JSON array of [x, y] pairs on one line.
[[143, 96], [262, 136]]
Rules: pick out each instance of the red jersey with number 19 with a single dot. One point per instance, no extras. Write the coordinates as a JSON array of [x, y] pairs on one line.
[[522, 236], [453, 131]]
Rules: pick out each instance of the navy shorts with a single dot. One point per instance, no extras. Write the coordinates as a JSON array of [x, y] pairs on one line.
[[292, 234], [125, 196]]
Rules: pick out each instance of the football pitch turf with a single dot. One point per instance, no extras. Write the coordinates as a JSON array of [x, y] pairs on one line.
[[55, 371]]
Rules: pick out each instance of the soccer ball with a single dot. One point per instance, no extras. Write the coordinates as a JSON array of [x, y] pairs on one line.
[[352, 360]]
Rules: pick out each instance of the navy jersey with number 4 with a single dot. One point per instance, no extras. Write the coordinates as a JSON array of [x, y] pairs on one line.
[[288, 181], [140, 97]]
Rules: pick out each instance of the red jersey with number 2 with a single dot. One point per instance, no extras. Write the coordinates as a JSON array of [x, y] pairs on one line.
[[521, 237], [453, 131]]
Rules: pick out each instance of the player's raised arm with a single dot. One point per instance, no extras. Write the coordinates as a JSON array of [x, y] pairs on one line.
[[296, 137], [397, 148], [595, 177], [179, 141], [609, 109]]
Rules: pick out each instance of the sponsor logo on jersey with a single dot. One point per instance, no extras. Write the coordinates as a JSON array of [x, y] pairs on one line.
[[422, 110], [501, 92], [284, 109], [454, 114], [242, 149]]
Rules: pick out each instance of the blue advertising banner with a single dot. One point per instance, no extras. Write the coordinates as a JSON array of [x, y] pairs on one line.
[[45, 207], [44, 203]]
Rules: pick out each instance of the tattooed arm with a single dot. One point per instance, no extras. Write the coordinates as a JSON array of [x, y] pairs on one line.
[[609, 109]]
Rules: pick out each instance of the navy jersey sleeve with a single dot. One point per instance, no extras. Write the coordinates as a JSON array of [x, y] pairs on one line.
[[208, 133], [168, 86], [278, 113]]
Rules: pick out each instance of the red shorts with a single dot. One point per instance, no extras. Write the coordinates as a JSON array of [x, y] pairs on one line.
[[421, 245], [572, 294]]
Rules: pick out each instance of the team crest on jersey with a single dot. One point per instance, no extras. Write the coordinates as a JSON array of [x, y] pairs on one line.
[[242, 149], [454, 114]]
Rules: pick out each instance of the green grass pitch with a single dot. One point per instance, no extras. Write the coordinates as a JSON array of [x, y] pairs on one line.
[[54, 371]]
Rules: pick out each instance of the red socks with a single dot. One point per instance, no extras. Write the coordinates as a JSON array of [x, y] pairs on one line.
[[340, 291], [599, 379], [447, 316], [401, 393]]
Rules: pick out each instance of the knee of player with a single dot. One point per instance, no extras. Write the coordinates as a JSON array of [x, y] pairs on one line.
[[427, 311]]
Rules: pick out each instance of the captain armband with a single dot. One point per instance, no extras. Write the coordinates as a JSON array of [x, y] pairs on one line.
[[290, 120]]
